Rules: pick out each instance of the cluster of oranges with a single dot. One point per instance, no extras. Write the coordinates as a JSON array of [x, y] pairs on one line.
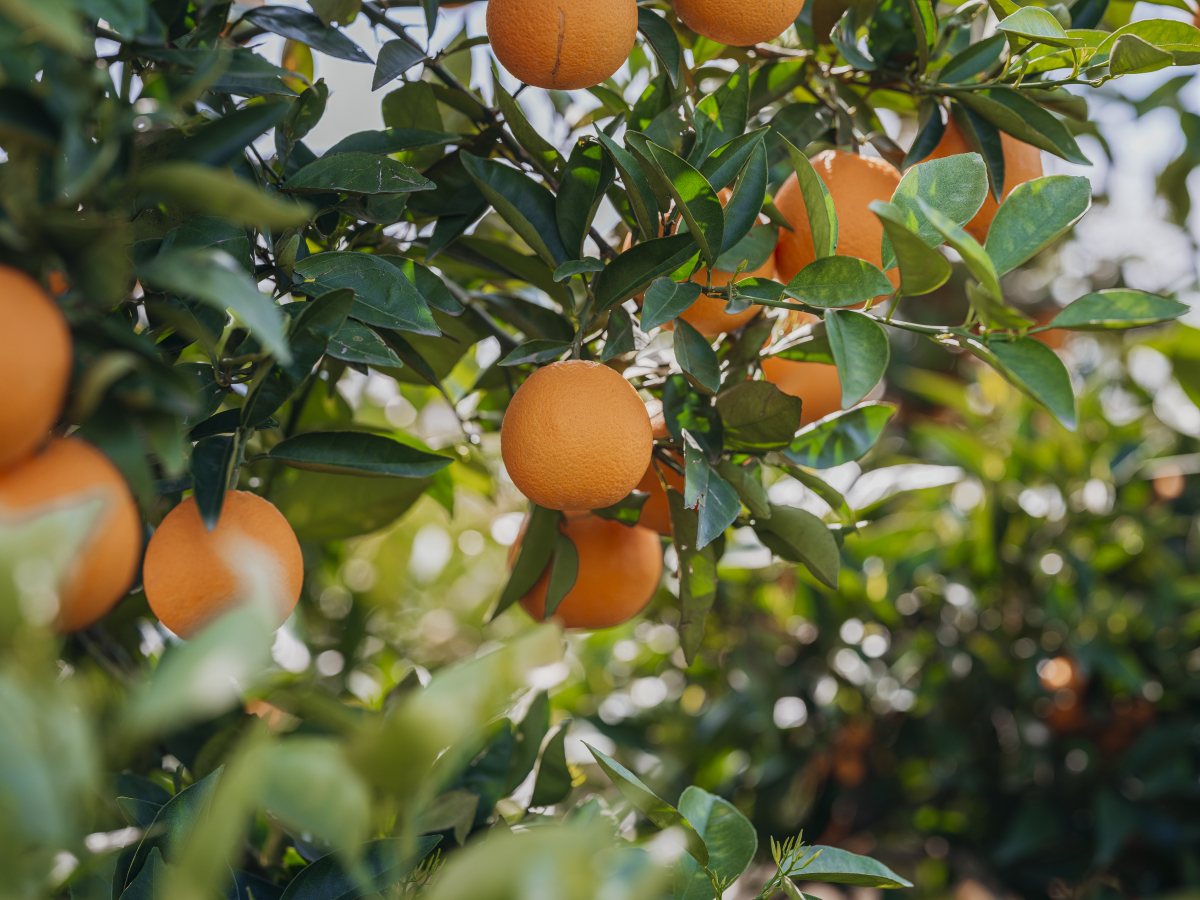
[[190, 575], [576, 437], [567, 45]]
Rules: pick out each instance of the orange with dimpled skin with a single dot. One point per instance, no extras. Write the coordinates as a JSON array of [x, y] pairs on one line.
[[739, 23]]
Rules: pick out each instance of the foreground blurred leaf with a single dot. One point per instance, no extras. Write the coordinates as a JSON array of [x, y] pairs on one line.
[[218, 192]]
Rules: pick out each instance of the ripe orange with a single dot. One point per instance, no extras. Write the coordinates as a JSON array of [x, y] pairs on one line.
[[656, 514], [35, 364], [71, 472], [562, 44], [740, 23], [619, 571], [817, 384], [576, 436], [1022, 162], [853, 182], [193, 575]]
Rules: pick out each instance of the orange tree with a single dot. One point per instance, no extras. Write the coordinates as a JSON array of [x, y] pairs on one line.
[[220, 278]]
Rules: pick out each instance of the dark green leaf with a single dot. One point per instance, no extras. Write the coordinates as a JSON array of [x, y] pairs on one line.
[[729, 836], [302, 116], [713, 498], [395, 58], [1035, 215], [354, 172], [658, 811], [537, 549], [1011, 111], [390, 140], [138, 813], [954, 185], [798, 536], [836, 281], [382, 296], [984, 138], [630, 272], [831, 864], [323, 507], [721, 116], [453, 810], [619, 337], [356, 453], [686, 409], [150, 880], [627, 511], [976, 59], [427, 283], [553, 782], [747, 482], [697, 575], [249, 75], [528, 207], [356, 343], [536, 352], [588, 174], [760, 289], [307, 29], [1118, 308], [663, 41], [172, 827], [578, 267], [203, 232], [843, 437], [1037, 25], [922, 269], [665, 299], [383, 862], [724, 163], [696, 199], [860, 349], [219, 193], [222, 141], [758, 416], [213, 459], [742, 211], [637, 188], [696, 356], [1036, 370], [527, 741], [527, 136]]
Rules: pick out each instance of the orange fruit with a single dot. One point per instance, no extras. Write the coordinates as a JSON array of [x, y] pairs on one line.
[[563, 45], [1022, 162], [817, 384], [739, 23], [656, 513], [193, 575], [576, 435], [35, 364], [71, 472], [853, 182], [619, 571]]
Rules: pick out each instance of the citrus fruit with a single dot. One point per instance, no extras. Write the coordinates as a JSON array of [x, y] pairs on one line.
[[619, 571], [1022, 162], [738, 23], [71, 473], [193, 575], [36, 364], [853, 182], [817, 384], [576, 436], [563, 45], [656, 513]]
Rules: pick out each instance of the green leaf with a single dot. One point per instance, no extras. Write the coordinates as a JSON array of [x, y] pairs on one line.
[[685, 408], [638, 146], [150, 880], [540, 351], [756, 289], [219, 192], [588, 174], [456, 810], [395, 58], [527, 206], [696, 356], [527, 741], [721, 116], [553, 782], [956, 186], [747, 482], [214, 278], [1131, 54], [729, 836], [578, 267], [527, 136], [742, 211], [323, 507], [356, 343], [637, 188], [384, 863], [380, 297], [627, 511], [302, 116], [663, 41], [537, 549], [860, 349], [1037, 25], [1035, 215], [836, 281], [307, 29], [825, 491], [708, 493], [798, 536], [356, 453], [1180, 39], [1011, 111], [658, 811], [619, 337], [172, 826], [428, 284], [840, 438], [695, 198], [201, 232], [390, 140], [818, 204], [977, 260], [831, 864], [974, 60], [724, 163], [1035, 369], [697, 575], [353, 172], [758, 416], [922, 269], [249, 75], [634, 269], [222, 141], [1118, 308], [665, 299]]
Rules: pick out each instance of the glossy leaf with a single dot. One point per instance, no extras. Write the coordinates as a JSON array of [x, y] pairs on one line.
[[977, 260], [356, 343], [685, 408], [588, 174], [429, 285], [634, 269], [574, 267], [696, 355], [955, 186], [860, 349], [537, 549], [354, 172], [1037, 25], [742, 210], [721, 116], [637, 188], [306, 28], [665, 299], [724, 163], [213, 459], [540, 351], [663, 41], [697, 575], [832, 864], [553, 782], [747, 482], [356, 453], [713, 498], [843, 437], [380, 297], [523, 203], [618, 338], [220, 142], [922, 269], [1131, 54], [1118, 308], [974, 60], [627, 510], [564, 570], [1036, 370], [390, 140], [758, 416], [822, 217], [1035, 215], [729, 836], [695, 198], [395, 58], [1011, 111], [798, 536], [527, 136], [836, 281]]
